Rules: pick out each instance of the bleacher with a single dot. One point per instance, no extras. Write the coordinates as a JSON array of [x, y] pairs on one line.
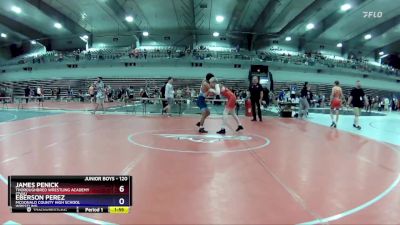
[[19, 86], [83, 84], [138, 83], [200, 54], [319, 59], [141, 83]]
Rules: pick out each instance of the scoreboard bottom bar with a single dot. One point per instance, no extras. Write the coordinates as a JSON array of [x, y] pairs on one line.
[[80, 209]]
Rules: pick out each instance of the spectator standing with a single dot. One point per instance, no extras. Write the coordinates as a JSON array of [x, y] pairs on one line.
[[162, 96], [266, 98], [81, 97], [187, 92], [27, 93], [393, 105], [91, 92], [179, 93], [193, 93], [304, 105], [386, 103], [70, 93], [100, 96], [40, 95], [369, 106], [131, 93], [169, 95], [58, 93]]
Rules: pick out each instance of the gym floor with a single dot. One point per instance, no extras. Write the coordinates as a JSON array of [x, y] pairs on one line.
[[280, 171]]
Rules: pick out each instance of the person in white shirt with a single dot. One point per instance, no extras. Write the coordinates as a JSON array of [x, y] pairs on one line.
[[40, 94], [192, 93], [179, 93], [100, 96], [169, 95], [386, 103]]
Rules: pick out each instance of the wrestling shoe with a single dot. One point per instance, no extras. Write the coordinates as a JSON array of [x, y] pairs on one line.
[[222, 131], [240, 127], [202, 131]]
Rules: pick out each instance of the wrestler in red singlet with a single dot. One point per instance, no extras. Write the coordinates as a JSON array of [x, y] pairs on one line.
[[337, 98], [229, 106], [231, 97], [336, 103]]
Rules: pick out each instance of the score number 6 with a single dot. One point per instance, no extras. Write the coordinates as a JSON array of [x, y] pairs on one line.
[[121, 201]]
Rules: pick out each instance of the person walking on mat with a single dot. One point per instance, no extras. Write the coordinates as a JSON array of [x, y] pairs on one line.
[[357, 99], [336, 103]]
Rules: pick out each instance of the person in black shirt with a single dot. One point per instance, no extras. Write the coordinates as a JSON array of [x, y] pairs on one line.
[[266, 97], [305, 96], [58, 93], [369, 107], [27, 93], [256, 96], [357, 99], [163, 101]]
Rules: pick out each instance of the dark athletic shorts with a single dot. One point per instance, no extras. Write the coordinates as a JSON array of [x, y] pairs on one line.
[[201, 103]]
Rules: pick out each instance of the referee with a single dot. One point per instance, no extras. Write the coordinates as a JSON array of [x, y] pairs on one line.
[[358, 100], [256, 96]]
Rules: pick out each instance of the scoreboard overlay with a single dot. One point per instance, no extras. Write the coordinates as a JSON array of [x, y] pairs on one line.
[[73, 194]]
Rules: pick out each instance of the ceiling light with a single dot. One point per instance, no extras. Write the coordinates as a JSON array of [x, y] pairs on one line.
[[219, 19], [215, 34], [16, 9], [84, 38], [339, 45], [381, 53], [383, 56], [310, 26], [58, 25], [33, 42], [345, 7], [288, 39], [129, 19], [367, 36], [145, 33], [3, 35]]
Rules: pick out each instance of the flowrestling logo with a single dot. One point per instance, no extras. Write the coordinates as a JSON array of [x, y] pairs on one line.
[[373, 14], [209, 138]]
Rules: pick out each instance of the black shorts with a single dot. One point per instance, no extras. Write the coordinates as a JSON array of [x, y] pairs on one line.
[[164, 103], [358, 106]]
